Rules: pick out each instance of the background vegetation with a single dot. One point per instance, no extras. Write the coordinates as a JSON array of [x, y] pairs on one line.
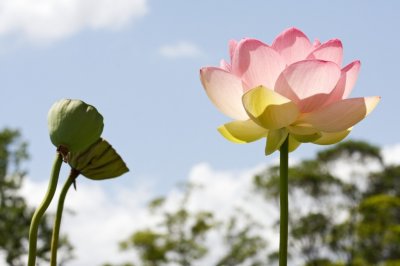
[[336, 219], [15, 214]]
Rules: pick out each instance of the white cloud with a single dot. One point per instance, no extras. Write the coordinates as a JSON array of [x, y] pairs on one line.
[[391, 154], [49, 20], [181, 49]]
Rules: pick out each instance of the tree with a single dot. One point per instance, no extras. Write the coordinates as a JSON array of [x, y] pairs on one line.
[[15, 215], [180, 237], [243, 246], [342, 220], [345, 211]]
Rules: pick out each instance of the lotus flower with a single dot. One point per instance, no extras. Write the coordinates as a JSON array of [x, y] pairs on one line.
[[293, 88]]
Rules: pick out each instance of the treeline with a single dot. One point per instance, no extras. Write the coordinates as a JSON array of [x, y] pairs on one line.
[[345, 211]]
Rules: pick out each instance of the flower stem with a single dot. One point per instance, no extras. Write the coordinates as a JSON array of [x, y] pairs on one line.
[[57, 223], [37, 216], [284, 202]]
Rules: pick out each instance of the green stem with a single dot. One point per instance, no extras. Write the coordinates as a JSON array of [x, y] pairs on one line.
[[284, 202], [37, 216], [57, 223]]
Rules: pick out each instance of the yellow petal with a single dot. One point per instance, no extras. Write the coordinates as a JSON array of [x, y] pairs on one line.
[[293, 143], [332, 138], [275, 140], [304, 133], [269, 109], [242, 131]]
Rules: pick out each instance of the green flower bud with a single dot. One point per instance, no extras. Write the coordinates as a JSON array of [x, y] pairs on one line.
[[74, 125]]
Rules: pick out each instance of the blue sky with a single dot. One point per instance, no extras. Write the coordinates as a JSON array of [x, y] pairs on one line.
[[139, 65]]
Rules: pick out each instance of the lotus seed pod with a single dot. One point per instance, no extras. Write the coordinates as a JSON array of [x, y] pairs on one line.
[[74, 124]]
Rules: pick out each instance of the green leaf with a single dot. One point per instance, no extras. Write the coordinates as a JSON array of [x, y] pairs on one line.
[[100, 161]]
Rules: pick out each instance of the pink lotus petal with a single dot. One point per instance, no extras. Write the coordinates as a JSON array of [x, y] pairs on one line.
[[225, 91], [257, 64], [350, 75], [293, 45], [330, 51], [342, 89], [225, 65], [316, 44], [314, 102], [305, 79], [345, 84], [232, 46], [340, 115]]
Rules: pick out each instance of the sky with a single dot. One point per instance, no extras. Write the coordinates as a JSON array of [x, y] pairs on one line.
[[138, 61]]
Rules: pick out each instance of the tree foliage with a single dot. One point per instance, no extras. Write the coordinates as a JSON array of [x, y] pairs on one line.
[[179, 238], [243, 245], [342, 220], [345, 211], [15, 214]]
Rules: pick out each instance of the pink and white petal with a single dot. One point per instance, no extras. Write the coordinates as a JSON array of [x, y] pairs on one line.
[[332, 138], [225, 91], [225, 65], [232, 46], [269, 109], [242, 131], [275, 140], [293, 45], [350, 75], [257, 63], [314, 102], [345, 84], [341, 115], [316, 44], [332, 51], [307, 78]]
